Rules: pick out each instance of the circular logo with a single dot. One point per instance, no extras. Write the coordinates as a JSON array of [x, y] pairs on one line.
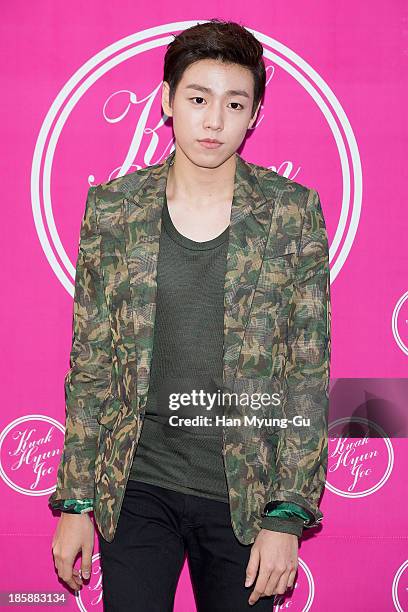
[[400, 588], [146, 41], [30, 453], [399, 323], [358, 466]]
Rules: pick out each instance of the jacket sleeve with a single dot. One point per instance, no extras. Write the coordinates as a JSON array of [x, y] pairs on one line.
[[88, 380], [301, 457]]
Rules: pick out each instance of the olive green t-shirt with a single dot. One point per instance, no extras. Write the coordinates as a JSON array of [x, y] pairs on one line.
[[187, 355]]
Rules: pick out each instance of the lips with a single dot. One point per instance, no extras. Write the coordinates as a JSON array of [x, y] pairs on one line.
[[208, 143]]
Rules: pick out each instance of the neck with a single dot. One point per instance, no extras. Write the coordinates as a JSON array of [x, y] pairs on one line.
[[203, 185]]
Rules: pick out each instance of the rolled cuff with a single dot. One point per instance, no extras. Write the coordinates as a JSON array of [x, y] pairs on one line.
[[292, 525]]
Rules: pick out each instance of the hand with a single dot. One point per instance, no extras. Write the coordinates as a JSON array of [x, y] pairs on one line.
[[74, 533], [276, 555]]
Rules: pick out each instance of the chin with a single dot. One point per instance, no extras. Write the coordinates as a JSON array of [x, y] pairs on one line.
[[211, 158]]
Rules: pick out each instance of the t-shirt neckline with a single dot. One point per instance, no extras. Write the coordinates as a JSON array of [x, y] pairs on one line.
[[188, 242]]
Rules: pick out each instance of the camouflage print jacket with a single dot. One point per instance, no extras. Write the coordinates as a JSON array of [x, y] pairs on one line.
[[277, 319]]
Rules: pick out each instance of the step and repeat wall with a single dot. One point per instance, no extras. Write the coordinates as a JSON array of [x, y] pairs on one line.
[[81, 104]]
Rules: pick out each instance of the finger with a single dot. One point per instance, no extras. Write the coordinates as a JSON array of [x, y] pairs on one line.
[[76, 574], [65, 572], [86, 563], [260, 585], [69, 580], [271, 585], [282, 585], [291, 579], [73, 584], [252, 567]]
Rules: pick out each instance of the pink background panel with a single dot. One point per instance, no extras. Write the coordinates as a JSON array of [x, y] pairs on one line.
[[335, 104]]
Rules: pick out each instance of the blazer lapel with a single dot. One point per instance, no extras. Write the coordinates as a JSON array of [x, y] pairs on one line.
[[249, 226]]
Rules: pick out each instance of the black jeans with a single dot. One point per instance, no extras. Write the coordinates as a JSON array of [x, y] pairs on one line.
[[157, 527]]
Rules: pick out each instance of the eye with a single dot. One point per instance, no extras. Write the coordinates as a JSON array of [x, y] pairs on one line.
[[197, 98], [238, 105]]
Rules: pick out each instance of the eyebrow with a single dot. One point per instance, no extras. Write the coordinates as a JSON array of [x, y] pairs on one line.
[[230, 92]]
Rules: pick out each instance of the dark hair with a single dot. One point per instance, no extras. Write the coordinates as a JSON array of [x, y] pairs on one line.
[[221, 40]]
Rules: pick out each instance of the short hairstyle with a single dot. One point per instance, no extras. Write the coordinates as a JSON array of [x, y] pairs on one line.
[[227, 41]]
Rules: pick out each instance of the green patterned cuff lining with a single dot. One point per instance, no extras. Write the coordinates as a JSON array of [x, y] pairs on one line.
[[287, 510], [75, 506]]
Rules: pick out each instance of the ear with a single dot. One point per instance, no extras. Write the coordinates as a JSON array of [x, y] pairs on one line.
[[166, 99], [253, 118]]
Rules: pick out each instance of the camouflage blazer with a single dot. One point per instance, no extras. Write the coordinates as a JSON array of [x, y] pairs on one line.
[[277, 320]]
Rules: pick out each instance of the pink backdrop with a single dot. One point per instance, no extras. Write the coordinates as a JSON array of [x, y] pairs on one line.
[[80, 105]]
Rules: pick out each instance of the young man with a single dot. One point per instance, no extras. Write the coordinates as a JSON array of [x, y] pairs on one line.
[[203, 273]]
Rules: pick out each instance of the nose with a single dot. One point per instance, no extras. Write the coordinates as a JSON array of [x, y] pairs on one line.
[[213, 117]]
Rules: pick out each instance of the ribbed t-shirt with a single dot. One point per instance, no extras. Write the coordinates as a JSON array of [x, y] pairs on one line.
[[187, 355]]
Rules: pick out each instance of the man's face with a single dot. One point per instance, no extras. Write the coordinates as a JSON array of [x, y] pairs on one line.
[[212, 100]]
